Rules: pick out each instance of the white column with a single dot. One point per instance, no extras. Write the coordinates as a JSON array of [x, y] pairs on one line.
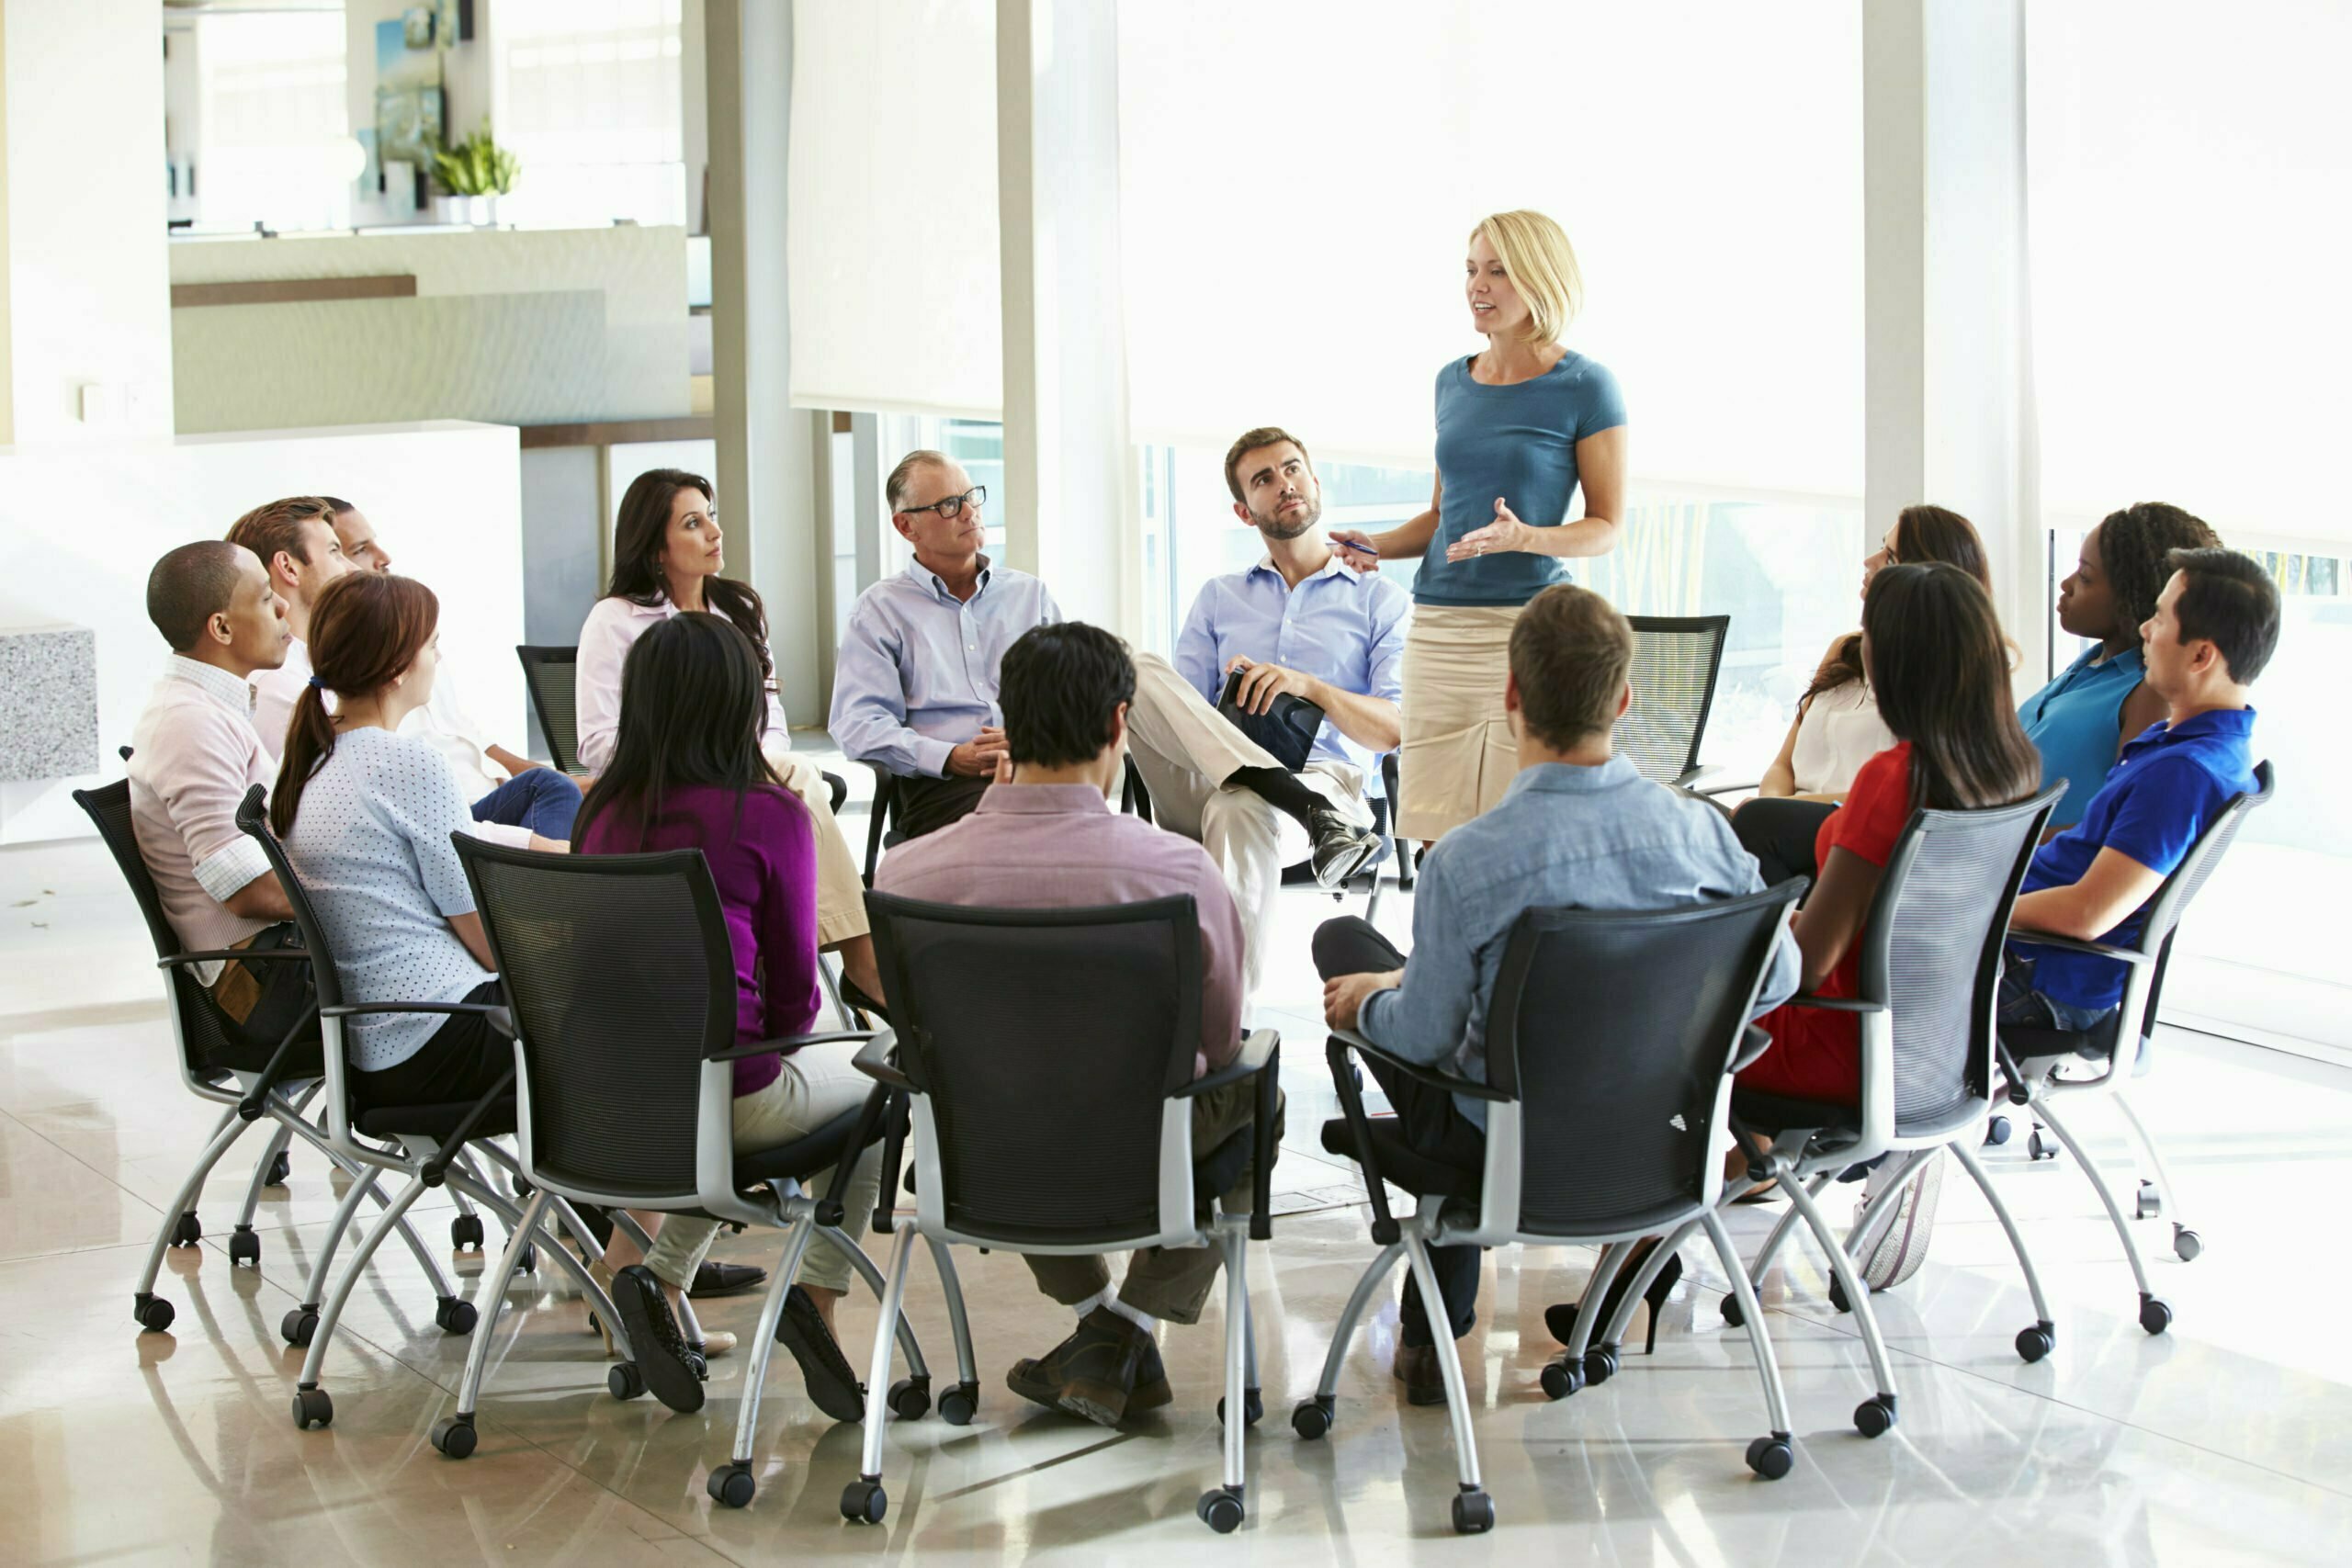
[[1068, 462], [86, 327], [1946, 367], [766, 499]]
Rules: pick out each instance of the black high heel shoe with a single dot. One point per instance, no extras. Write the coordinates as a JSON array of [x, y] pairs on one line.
[[1561, 1320], [855, 995]]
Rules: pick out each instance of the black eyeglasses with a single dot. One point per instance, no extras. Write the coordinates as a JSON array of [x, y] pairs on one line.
[[953, 507]]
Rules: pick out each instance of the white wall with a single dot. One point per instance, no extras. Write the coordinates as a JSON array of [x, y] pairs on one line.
[[78, 536], [87, 300]]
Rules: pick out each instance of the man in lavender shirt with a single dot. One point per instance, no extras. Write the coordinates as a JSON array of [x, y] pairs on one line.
[[1043, 835]]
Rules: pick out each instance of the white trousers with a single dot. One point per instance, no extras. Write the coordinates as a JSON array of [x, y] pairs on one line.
[[1185, 750]]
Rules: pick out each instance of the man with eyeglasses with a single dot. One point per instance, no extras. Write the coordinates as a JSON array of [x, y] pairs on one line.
[[915, 686]]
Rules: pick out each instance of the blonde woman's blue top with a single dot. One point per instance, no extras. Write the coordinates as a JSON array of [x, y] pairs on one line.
[[1519, 443]]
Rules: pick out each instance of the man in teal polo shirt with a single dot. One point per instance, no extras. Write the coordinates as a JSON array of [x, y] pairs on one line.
[[2215, 627]]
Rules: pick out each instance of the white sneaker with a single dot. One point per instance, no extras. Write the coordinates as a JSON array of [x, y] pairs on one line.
[[1903, 1244]]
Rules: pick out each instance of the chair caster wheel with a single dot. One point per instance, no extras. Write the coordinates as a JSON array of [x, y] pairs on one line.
[[279, 1169], [1600, 1364], [731, 1485], [1474, 1513], [1771, 1457], [151, 1312], [2036, 1342], [245, 1247], [910, 1398], [454, 1436], [313, 1408], [624, 1380], [1874, 1417], [1997, 1132], [1838, 1295], [454, 1317], [297, 1326], [2154, 1316], [2187, 1244], [864, 1502], [2035, 1148], [1252, 1408], [1732, 1315], [960, 1404], [1561, 1379], [1311, 1418], [1221, 1510], [465, 1231], [189, 1230], [528, 1262], [2152, 1201]]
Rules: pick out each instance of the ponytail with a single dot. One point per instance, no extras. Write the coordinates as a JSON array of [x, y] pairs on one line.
[[367, 627]]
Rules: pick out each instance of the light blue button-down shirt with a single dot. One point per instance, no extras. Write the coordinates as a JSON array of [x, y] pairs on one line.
[[1562, 836], [917, 675], [1337, 625]]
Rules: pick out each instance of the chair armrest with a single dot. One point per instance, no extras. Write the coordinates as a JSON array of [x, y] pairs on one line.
[[349, 1009], [1752, 1045], [215, 955], [1422, 1071], [1258, 1048], [1707, 779], [438, 1165], [869, 1126], [2095, 949], [1348, 1081], [785, 1042], [1833, 1004], [250, 1108], [875, 1061]]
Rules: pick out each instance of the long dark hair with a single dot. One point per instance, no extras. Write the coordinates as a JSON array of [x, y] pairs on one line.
[[1940, 668], [367, 627], [2134, 544], [1922, 534], [643, 528], [693, 706]]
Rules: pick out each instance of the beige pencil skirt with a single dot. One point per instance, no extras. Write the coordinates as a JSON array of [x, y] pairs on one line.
[[1458, 755]]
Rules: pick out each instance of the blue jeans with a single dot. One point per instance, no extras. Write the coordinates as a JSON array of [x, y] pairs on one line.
[[541, 800], [2020, 1003]]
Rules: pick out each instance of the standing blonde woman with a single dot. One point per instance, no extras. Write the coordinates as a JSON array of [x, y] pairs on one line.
[[1519, 425]]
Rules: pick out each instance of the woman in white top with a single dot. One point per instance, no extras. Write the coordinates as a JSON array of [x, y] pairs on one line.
[[366, 815], [1837, 728], [668, 555]]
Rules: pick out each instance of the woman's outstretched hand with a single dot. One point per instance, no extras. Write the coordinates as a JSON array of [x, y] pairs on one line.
[[1505, 532]]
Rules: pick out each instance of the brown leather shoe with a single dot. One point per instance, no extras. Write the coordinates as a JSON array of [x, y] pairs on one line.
[[1091, 1373], [1417, 1369]]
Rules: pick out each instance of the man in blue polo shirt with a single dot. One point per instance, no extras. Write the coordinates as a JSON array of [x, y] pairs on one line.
[[2215, 627], [1303, 622]]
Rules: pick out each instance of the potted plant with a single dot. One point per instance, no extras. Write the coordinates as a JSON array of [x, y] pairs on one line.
[[474, 173]]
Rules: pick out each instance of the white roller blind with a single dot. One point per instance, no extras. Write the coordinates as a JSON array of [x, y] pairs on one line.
[[1301, 178], [2188, 176], [893, 237]]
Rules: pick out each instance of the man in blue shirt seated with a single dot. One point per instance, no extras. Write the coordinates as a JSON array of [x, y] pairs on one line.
[[2215, 627], [1578, 828], [1300, 621], [915, 685]]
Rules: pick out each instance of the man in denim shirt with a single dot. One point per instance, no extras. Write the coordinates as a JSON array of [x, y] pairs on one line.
[[1579, 827]]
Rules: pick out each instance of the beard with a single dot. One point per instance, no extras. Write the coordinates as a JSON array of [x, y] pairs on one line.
[[1275, 528]]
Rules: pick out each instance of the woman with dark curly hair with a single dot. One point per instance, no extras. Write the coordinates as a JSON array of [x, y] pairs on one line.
[[2080, 721]]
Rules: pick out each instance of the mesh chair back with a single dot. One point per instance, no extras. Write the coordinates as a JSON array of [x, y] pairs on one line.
[[203, 1032], [1046, 1042], [620, 979], [554, 698], [2188, 879], [1931, 952], [1614, 1030], [1675, 660]]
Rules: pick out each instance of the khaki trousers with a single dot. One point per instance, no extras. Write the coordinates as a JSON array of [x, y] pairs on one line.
[[1168, 1281], [1458, 754], [1185, 750], [840, 888]]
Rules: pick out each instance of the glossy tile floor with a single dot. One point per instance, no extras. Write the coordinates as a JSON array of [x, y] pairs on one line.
[[2228, 1440]]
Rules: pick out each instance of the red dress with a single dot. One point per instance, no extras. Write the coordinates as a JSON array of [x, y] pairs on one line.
[[1815, 1053]]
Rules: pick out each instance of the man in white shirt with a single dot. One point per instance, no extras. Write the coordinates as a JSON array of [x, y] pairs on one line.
[[193, 756]]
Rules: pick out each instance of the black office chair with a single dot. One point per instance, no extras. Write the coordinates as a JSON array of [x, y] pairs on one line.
[[1610, 1039], [882, 822], [1084, 1022], [1675, 661], [1928, 979], [427, 1143], [278, 1089], [622, 981], [2044, 1066]]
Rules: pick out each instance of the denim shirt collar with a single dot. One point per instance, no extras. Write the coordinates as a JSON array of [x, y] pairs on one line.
[[1571, 778]]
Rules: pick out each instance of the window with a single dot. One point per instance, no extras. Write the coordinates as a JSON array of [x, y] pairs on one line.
[[594, 112], [268, 142]]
